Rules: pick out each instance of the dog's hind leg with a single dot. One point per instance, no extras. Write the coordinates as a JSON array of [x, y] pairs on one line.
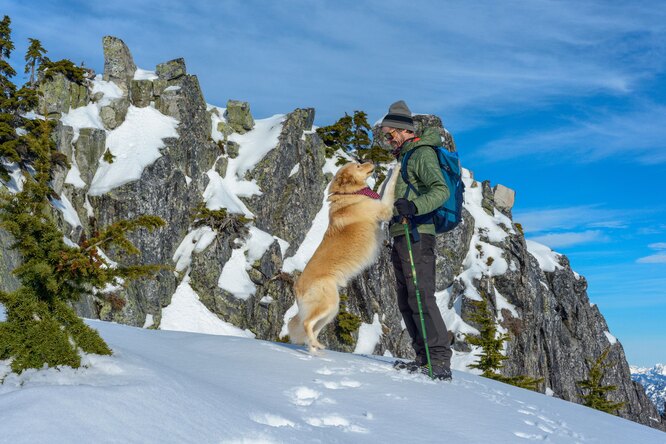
[[318, 318]]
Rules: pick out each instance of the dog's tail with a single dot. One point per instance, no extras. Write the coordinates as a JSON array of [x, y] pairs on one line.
[[296, 330]]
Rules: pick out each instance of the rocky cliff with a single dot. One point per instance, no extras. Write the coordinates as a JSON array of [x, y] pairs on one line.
[[274, 173]]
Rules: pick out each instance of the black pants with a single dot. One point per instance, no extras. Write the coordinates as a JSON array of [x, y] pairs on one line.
[[424, 261]]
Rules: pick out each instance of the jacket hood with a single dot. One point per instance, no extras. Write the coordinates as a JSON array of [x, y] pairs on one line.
[[430, 137]]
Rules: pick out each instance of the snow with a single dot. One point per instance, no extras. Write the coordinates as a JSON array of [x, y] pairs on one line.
[[224, 192], [16, 178], [149, 322], [174, 387], [312, 240], [491, 226], [548, 260], [221, 193], [612, 339], [68, 212], [135, 144], [144, 74], [74, 174], [172, 88], [234, 277], [187, 313], [255, 144], [109, 89], [195, 241], [369, 336], [82, 117], [290, 313], [295, 169]]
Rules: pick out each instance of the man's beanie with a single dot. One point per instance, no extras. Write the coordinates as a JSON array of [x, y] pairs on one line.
[[399, 116]]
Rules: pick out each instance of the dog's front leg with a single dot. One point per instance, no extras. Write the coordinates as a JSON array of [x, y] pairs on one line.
[[388, 197]]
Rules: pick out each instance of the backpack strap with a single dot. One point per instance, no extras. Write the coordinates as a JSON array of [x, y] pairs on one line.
[[405, 178]]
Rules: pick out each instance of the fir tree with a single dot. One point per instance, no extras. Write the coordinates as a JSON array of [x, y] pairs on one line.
[[65, 67], [492, 344], [41, 327], [351, 134], [597, 392], [34, 57]]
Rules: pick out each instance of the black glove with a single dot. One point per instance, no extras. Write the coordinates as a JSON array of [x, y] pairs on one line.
[[405, 207]]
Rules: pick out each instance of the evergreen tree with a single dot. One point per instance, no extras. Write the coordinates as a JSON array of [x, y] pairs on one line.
[[351, 134], [41, 327], [597, 392], [492, 344], [489, 340], [34, 57], [65, 67]]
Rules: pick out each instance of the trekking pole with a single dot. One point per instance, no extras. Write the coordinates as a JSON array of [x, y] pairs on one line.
[[418, 293]]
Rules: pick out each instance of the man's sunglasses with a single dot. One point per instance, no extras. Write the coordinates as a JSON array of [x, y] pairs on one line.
[[389, 134]]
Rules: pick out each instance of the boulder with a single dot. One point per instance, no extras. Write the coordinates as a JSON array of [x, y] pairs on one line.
[[119, 66], [90, 147], [114, 113], [238, 116], [141, 92], [504, 198], [232, 149], [172, 69], [54, 96]]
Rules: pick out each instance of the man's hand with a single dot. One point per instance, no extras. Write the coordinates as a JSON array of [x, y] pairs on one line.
[[406, 208]]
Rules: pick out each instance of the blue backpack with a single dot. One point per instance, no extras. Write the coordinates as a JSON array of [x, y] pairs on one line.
[[449, 215]]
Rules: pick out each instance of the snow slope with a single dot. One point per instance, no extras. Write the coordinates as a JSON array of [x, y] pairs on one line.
[[174, 387]]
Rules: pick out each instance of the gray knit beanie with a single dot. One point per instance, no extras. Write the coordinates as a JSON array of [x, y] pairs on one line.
[[399, 116]]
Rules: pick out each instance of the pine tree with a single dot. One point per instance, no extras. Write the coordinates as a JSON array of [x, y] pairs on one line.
[[34, 57], [351, 134], [597, 392], [41, 327], [492, 344]]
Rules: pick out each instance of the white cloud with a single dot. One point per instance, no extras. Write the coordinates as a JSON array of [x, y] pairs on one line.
[[659, 258], [637, 135], [466, 61], [559, 240], [566, 218]]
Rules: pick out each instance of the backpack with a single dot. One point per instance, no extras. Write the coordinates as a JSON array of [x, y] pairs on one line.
[[448, 216]]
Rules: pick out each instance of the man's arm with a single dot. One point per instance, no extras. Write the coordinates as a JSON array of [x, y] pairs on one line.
[[426, 169]]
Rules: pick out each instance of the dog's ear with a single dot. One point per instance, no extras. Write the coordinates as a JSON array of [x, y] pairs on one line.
[[345, 178]]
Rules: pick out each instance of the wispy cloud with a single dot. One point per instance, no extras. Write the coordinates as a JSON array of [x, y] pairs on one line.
[[657, 258], [638, 135], [566, 218], [560, 240], [455, 59]]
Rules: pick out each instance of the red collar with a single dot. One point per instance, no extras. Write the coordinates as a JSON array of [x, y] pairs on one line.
[[365, 192]]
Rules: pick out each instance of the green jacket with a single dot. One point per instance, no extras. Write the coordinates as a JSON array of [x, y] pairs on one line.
[[424, 173]]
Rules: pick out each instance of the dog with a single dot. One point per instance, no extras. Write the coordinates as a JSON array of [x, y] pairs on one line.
[[350, 244]]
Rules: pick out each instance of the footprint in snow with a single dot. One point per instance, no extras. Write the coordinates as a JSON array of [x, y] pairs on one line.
[[272, 420], [303, 396], [335, 421], [332, 385], [530, 436], [334, 371]]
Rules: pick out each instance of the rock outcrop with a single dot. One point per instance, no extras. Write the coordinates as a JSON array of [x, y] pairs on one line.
[[552, 325]]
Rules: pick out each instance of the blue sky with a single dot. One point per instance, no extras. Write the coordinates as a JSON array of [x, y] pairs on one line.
[[565, 102]]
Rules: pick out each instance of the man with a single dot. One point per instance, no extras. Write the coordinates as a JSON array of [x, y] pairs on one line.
[[425, 175]]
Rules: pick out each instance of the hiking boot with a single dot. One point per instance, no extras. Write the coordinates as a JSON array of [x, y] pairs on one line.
[[410, 366], [439, 371]]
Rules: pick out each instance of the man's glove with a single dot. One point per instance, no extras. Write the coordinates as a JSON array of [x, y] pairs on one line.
[[406, 208]]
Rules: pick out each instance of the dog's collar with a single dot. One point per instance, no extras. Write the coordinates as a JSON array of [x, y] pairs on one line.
[[365, 192]]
